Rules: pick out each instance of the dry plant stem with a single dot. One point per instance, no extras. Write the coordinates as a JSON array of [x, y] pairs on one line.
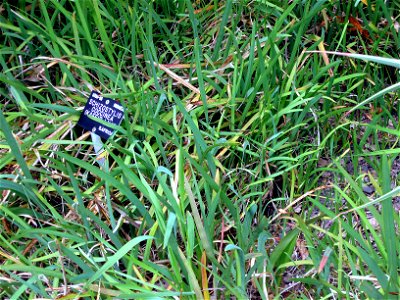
[[284, 211]]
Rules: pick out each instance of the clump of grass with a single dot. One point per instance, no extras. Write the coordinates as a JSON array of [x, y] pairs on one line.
[[246, 165]]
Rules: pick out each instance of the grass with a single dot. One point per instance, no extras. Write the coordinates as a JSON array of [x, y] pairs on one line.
[[248, 165]]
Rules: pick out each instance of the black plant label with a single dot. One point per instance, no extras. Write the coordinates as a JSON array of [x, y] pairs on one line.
[[105, 109]]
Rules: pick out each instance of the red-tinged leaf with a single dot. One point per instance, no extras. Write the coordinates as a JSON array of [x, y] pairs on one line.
[[324, 259]]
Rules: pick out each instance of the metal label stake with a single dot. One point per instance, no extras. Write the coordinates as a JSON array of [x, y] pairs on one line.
[[108, 111]]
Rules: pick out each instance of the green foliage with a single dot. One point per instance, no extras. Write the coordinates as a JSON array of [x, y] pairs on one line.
[[247, 166]]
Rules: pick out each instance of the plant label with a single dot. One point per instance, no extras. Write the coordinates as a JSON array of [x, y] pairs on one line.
[[105, 109]]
